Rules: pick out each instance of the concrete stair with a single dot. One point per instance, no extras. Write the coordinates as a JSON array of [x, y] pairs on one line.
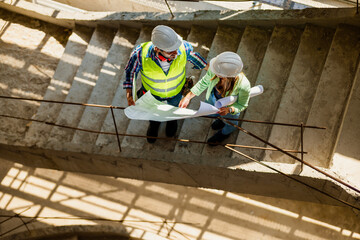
[[84, 83], [273, 75], [59, 85], [299, 67], [300, 90]]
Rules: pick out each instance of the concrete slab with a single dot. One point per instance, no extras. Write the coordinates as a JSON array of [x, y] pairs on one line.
[[332, 95], [273, 75], [226, 39], [300, 90], [135, 126], [203, 171], [83, 84], [59, 85], [346, 160], [107, 83]]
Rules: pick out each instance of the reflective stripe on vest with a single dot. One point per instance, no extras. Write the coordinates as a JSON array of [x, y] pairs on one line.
[[154, 79]]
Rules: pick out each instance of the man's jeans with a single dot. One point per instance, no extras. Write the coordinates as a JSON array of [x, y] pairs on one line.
[[228, 128]]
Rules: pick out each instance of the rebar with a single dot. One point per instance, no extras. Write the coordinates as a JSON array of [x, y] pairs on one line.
[[116, 130], [292, 156], [122, 108], [288, 176], [140, 136]]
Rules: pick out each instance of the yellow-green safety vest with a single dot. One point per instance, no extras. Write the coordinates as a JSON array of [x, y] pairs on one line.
[[154, 79]]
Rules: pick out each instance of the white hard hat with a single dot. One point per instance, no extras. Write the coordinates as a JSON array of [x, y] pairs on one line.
[[226, 64], [165, 38]]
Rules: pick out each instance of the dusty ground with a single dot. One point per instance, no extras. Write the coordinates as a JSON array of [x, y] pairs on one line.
[[29, 52]]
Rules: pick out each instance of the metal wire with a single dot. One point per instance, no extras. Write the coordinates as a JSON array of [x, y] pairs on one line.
[[288, 176], [292, 156], [142, 136], [116, 107]]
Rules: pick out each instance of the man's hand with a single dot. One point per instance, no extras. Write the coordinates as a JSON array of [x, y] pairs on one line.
[[224, 110], [129, 97]]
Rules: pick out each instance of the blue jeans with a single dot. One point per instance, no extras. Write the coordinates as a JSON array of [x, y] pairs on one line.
[[228, 128]]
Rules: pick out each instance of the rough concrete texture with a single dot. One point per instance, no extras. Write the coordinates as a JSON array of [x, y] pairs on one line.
[[252, 49], [59, 85], [180, 167], [300, 90], [29, 52], [336, 81], [120, 100], [225, 39], [205, 172], [273, 75], [83, 84], [135, 126], [269, 18], [151, 210], [73, 232], [346, 160], [107, 83]]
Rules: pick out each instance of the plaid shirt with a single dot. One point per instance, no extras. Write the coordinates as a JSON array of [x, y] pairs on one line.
[[134, 65]]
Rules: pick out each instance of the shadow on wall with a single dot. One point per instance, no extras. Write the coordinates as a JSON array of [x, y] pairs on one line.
[[161, 211]]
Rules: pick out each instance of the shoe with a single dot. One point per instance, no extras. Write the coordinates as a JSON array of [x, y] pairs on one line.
[[217, 138], [152, 131], [171, 128], [217, 125]]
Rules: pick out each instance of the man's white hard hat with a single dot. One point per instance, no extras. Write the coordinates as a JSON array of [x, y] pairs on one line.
[[226, 64], [165, 38]]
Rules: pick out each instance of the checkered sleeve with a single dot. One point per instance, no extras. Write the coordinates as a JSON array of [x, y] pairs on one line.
[[133, 67]]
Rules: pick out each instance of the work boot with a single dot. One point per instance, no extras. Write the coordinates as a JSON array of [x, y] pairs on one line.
[[152, 131], [217, 138], [218, 124], [171, 128]]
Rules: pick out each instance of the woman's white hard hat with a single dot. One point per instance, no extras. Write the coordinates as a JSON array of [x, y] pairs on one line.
[[226, 64], [165, 38]]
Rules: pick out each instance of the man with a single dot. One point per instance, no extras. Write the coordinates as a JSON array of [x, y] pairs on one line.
[[161, 63]]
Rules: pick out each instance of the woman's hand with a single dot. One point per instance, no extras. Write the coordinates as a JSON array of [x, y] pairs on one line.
[[186, 100], [224, 111]]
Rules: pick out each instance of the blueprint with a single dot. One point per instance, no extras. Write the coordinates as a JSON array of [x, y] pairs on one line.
[[148, 108]]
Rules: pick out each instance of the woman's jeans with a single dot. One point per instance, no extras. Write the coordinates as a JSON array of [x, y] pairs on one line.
[[228, 128]]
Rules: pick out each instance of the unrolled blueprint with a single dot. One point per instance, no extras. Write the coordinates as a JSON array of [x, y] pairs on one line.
[[148, 108]]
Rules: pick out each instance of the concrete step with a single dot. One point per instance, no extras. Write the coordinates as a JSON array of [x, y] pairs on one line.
[[138, 127], [273, 75], [251, 49], [109, 142], [300, 90], [347, 152], [109, 79], [59, 86], [226, 39], [329, 104], [83, 84], [133, 126], [201, 40]]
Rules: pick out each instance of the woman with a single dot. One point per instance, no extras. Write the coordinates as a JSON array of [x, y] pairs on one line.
[[224, 78]]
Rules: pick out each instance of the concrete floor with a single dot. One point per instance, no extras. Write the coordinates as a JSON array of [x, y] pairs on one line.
[[162, 211], [149, 210]]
